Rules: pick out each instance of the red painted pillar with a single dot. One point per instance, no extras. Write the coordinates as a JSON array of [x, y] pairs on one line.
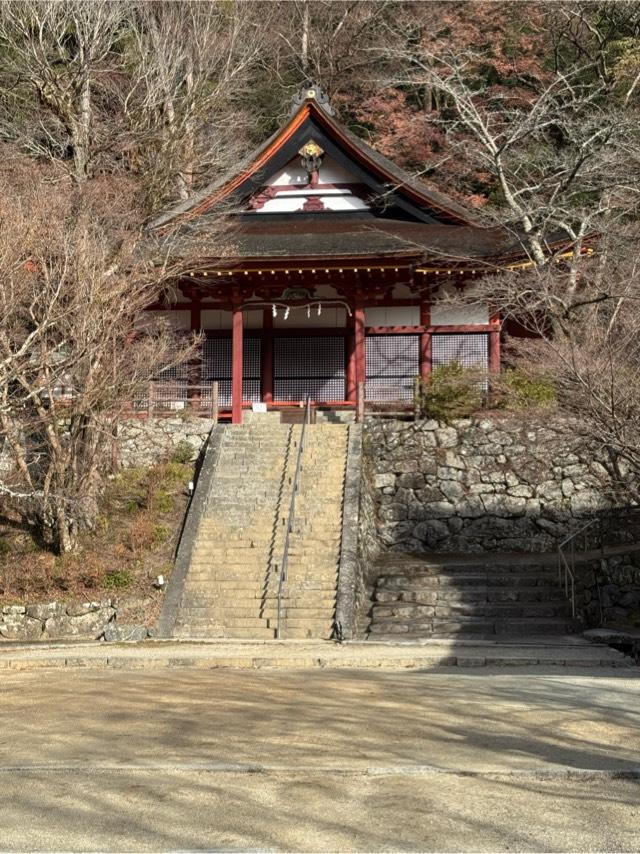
[[359, 343], [350, 346], [494, 345], [425, 339], [236, 366], [266, 366]]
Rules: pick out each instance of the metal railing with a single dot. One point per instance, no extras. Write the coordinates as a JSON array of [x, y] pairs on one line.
[[292, 514], [567, 559]]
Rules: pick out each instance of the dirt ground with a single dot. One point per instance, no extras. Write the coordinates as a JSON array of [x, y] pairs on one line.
[[141, 515]]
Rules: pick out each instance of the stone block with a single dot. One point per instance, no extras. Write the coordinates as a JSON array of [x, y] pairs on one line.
[[451, 489], [493, 477], [471, 508], [43, 611], [447, 437], [431, 529], [446, 473], [25, 629], [14, 610], [439, 509], [90, 625], [587, 502], [393, 513], [481, 489], [454, 461], [411, 480], [429, 493], [549, 490], [520, 491], [120, 633]]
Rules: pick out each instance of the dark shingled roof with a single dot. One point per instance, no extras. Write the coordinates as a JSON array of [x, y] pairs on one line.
[[329, 236]]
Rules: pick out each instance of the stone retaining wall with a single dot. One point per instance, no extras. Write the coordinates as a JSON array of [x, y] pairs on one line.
[[608, 590], [105, 618], [145, 442], [505, 483]]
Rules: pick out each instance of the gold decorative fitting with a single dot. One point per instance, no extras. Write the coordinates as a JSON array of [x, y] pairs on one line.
[[311, 93], [311, 149]]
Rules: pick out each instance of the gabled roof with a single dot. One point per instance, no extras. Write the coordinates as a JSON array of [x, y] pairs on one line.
[[393, 188]]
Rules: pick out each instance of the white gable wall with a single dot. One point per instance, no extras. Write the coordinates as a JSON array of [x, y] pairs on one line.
[[330, 172]]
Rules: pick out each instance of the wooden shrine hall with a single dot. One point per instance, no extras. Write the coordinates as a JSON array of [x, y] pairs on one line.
[[336, 259]]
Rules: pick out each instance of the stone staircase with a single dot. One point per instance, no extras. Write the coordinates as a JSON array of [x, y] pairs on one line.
[[231, 588], [417, 598]]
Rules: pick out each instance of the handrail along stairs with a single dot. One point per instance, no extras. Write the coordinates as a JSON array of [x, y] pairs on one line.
[[292, 511], [567, 560]]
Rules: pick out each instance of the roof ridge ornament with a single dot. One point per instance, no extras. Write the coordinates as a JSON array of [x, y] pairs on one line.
[[310, 91]]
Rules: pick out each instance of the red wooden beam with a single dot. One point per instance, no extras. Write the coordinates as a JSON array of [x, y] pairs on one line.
[[432, 330], [236, 367]]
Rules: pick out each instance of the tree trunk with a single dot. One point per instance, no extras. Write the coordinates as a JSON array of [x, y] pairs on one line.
[[81, 133], [66, 532]]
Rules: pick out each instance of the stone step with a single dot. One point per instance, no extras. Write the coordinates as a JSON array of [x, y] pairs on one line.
[[309, 613], [218, 618], [255, 605], [470, 627], [473, 594], [234, 575], [213, 631], [318, 625], [498, 611], [425, 582], [299, 633]]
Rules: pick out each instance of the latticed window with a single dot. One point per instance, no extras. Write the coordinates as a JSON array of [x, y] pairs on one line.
[[471, 350], [392, 362], [312, 366], [216, 366]]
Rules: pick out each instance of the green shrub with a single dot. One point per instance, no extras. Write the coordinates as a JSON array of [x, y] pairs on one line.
[[117, 579], [177, 473], [160, 534], [450, 391], [162, 502], [521, 390], [5, 547], [183, 452]]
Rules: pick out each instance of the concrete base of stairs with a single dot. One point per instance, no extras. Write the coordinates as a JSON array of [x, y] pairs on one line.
[[548, 654]]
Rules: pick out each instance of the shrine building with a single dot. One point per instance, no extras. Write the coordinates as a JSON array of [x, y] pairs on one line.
[[329, 286]]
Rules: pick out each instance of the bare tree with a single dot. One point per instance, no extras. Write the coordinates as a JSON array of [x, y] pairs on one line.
[[56, 51], [192, 63], [562, 150], [74, 353]]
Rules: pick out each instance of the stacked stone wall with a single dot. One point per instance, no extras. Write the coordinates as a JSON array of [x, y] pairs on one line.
[[507, 483], [107, 619], [145, 442], [608, 590]]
